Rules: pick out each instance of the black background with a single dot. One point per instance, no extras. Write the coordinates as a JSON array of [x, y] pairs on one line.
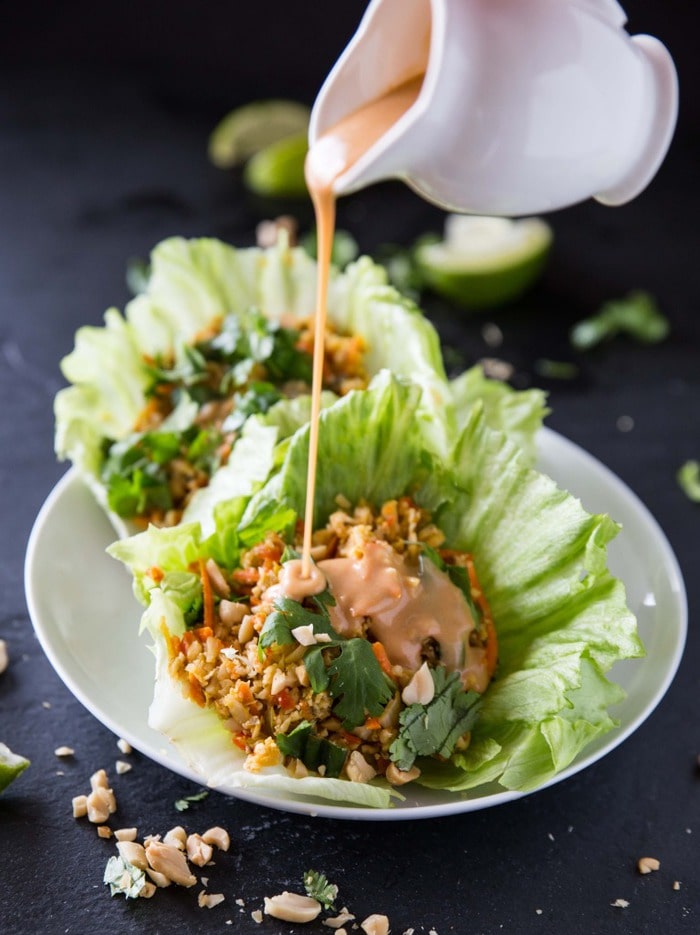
[[105, 110]]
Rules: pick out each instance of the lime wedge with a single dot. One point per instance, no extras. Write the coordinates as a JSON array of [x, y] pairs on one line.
[[485, 261], [278, 170], [250, 128], [11, 765]]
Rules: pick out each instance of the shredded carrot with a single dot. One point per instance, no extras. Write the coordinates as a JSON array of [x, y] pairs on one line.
[[244, 693], [207, 595], [246, 575], [372, 723], [483, 605], [156, 574], [382, 658], [285, 700], [239, 740], [351, 739], [196, 692]]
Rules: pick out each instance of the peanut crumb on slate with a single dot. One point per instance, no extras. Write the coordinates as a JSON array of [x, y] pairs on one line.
[[647, 864]]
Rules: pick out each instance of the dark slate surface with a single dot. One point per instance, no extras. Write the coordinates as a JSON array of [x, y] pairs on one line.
[[103, 126]]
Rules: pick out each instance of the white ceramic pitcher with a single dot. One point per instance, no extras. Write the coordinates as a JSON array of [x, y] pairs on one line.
[[526, 105]]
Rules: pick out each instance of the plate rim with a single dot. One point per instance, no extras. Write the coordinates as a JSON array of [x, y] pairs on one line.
[[314, 807]]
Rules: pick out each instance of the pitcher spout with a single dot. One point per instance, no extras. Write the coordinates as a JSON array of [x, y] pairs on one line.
[[521, 106]]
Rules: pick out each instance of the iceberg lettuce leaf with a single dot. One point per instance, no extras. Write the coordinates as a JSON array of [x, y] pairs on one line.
[[518, 413]]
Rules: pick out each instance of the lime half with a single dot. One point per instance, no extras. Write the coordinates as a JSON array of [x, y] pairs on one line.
[[250, 128], [11, 765], [485, 261], [278, 170]]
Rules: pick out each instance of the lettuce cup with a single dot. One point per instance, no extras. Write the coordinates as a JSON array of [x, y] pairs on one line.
[[161, 395], [456, 630]]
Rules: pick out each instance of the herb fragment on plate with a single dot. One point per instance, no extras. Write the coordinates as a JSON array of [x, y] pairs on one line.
[[689, 479], [123, 878], [435, 728], [637, 315], [317, 887], [184, 803]]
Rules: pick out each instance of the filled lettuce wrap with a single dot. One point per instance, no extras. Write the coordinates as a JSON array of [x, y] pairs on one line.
[[161, 395], [459, 631]]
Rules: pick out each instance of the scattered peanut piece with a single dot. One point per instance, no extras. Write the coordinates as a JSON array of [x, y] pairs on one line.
[[171, 862], [124, 746], [209, 900], [46, 704], [291, 907], [126, 834], [64, 751], [375, 925], [676, 885], [648, 864], [122, 767], [79, 803], [176, 837], [343, 916], [217, 837], [104, 831], [147, 890], [133, 853], [100, 805], [256, 916], [160, 880], [99, 780], [4, 657], [620, 904], [198, 851]]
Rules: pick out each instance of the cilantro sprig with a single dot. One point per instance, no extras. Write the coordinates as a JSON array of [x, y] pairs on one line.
[[317, 887], [182, 805], [435, 728], [352, 675]]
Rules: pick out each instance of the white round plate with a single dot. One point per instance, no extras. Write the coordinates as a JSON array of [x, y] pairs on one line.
[[87, 620]]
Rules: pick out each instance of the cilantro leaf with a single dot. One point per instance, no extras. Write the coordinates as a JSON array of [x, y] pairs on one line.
[[313, 751], [184, 803], [357, 679], [435, 728], [316, 667], [317, 887], [259, 397], [636, 315], [353, 677], [287, 616]]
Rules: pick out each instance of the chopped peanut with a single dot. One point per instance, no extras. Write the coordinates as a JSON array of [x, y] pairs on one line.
[[291, 907], [218, 837], [171, 862]]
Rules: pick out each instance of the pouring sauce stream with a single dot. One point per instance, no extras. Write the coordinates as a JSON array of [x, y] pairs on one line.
[[332, 155]]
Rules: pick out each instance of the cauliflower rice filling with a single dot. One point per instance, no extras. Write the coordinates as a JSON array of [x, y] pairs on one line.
[[228, 388], [261, 694]]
